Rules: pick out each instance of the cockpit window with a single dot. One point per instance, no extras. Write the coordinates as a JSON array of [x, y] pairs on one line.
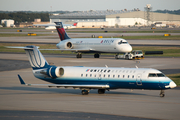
[[160, 75], [156, 75], [152, 75], [122, 42]]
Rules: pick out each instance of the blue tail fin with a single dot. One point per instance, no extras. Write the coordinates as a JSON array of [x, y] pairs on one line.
[[61, 32], [36, 59]]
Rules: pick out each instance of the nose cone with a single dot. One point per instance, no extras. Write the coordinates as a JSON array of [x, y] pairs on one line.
[[172, 84], [127, 48]]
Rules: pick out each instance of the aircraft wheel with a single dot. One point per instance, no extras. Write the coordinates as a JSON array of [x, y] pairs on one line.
[[85, 92], [101, 91], [126, 57], [162, 93], [116, 56], [96, 55], [79, 55]]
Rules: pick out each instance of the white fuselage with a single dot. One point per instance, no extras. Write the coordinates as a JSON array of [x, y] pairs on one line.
[[100, 45], [130, 78]]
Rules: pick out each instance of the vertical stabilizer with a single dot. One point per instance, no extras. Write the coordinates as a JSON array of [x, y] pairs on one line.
[[61, 31], [36, 59]]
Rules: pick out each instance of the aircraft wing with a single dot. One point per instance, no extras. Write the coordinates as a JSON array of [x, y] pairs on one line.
[[73, 50], [80, 86]]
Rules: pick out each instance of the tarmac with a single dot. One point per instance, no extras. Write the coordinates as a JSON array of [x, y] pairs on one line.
[[19, 101], [28, 102]]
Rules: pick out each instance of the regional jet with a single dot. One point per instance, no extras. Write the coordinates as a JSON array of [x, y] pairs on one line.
[[101, 78], [90, 45]]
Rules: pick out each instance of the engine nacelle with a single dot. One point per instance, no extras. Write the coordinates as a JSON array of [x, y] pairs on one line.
[[55, 72], [68, 45]]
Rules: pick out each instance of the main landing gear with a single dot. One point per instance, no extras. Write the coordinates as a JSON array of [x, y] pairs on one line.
[[79, 55], [162, 93], [86, 92], [96, 55], [101, 91]]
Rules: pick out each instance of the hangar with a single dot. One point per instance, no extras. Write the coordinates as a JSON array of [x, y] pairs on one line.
[[116, 18]]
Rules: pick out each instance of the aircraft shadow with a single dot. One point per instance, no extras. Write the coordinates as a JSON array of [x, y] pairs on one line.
[[68, 91]]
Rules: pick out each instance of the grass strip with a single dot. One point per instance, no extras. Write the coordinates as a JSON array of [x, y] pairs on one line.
[[175, 78]]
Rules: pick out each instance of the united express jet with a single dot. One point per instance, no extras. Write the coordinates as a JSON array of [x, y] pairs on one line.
[[101, 78], [90, 45]]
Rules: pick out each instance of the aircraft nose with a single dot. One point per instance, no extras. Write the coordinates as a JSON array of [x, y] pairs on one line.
[[172, 84], [128, 48]]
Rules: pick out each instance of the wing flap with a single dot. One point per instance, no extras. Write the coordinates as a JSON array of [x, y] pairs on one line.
[[71, 86]]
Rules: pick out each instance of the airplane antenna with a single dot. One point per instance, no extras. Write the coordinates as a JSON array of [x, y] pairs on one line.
[[106, 66], [136, 66]]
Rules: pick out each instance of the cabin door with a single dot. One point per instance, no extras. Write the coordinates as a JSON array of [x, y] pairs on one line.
[[138, 79], [100, 76]]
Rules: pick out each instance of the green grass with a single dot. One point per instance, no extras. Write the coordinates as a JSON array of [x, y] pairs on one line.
[[123, 31], [154, 37], [175, 78], [20, 35], [167, 51], [42, 46]]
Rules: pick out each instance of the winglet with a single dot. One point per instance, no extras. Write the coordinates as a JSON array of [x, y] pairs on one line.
[[21, 80]]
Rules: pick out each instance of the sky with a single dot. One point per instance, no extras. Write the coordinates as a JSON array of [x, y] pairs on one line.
[[84, 5]]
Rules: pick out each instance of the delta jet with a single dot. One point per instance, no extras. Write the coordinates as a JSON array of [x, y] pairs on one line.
[[101, 78], [90, 45]]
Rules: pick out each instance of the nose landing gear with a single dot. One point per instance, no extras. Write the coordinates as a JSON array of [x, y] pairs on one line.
[[162, 93]]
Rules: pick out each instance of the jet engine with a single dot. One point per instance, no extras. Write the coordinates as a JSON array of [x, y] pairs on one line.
[[69, 45], [53, 72]]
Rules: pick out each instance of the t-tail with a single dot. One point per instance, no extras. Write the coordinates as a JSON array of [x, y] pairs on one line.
[[61, 31], [36, 59]]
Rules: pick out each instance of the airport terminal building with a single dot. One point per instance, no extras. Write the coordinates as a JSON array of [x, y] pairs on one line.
[[117, 18]]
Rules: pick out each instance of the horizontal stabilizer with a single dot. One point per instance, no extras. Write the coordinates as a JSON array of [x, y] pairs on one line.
[[21, 80]]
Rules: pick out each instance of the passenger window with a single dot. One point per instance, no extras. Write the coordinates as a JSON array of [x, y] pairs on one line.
[[104, 70], [90, 75], [123, 76], [94, 70], [128, 76], [86, 75], [109, 70], [113, 76], [104, 75], [91, 70], [108, 75], [94, 75], [101, 70], [81, 75], [133, 76], [118, 76]]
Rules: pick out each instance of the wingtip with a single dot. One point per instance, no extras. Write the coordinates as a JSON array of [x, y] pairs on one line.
[[21, 80]]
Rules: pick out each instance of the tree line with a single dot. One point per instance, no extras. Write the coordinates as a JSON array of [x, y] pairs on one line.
[[169, 11], [24, 17], [29, 16]]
